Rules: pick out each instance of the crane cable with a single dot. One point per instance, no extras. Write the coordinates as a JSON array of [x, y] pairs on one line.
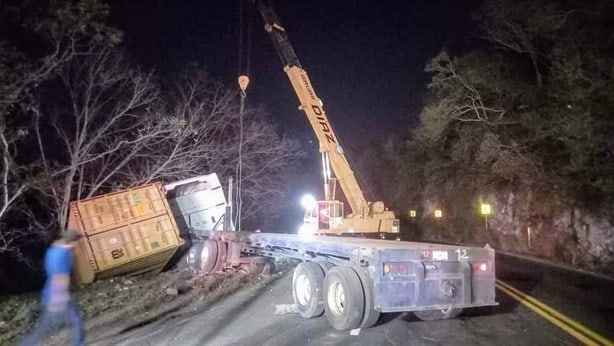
[[243, 81], [239, 169]]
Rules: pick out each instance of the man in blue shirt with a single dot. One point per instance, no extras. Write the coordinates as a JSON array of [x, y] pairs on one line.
[[56, 302]]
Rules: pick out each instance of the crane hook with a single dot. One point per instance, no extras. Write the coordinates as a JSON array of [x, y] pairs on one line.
[[243, 83]]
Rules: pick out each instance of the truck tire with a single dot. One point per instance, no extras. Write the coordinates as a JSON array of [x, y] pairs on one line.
[[202, 256], [326, 266], [307, 284], [220, 260], [344, 299], [438, 314], [370, 315], [193, 257]]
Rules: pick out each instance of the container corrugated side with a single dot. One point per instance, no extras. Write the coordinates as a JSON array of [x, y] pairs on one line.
[[105, 212], [138, 241]]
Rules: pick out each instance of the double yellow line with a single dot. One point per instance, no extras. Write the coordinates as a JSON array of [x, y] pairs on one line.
[[576, 329]]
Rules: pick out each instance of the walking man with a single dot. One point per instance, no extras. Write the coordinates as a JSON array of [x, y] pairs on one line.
[[57, 307]]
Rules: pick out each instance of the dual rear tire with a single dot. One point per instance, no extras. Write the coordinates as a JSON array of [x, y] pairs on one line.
[[343, 293], [307, 284], [344, 298]]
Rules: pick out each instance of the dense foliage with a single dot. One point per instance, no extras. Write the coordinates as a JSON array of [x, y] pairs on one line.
[[531, 115]]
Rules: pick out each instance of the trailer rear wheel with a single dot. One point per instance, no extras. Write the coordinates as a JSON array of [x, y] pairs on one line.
[[307, 284], [438, 314], [326, 266], [220, 258], [203, 256], [371, 315], [345, 302]]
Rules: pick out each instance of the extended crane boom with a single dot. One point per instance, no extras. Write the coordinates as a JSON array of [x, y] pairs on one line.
[[327, 215]]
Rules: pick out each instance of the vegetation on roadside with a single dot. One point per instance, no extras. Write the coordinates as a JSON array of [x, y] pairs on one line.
[[115, 305], [524, 125]]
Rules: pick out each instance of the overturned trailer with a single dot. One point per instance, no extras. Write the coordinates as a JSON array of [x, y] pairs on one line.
[[352, 280], [130, 231]]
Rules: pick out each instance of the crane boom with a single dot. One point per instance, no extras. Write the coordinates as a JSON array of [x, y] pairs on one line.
[[364, 216]]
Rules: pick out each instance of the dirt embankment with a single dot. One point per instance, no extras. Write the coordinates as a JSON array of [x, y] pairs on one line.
[[120, 304]]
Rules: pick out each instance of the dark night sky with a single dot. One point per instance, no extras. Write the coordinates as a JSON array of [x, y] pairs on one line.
[[365, 58]]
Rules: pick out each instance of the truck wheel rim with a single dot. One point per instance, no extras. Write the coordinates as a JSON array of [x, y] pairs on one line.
[[303, 290], [204, 254], [336, 298], [446, 309]]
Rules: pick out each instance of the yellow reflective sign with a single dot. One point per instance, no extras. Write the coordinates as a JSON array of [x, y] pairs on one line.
[[438, 213], [485, 209], [412, 213]]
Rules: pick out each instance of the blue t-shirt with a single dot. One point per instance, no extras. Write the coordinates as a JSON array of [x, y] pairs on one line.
[[58, 261]]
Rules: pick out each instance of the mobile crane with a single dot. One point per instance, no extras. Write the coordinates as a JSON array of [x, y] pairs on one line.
[[327, 216]]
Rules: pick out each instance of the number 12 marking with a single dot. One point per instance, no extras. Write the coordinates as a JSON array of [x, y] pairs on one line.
[[462, 254]]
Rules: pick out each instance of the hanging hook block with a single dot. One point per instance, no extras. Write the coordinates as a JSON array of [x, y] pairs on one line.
[[243, 82]]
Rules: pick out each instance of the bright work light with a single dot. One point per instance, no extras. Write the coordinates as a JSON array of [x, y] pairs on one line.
[[307, 201]]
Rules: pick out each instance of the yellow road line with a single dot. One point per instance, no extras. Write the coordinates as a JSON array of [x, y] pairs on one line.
[[572, 327]]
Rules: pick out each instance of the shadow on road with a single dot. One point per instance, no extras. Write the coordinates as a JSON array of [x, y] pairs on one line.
[[227, 320], [385, 318]]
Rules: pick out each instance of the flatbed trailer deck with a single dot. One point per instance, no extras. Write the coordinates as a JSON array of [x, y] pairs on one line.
[[432, 280]]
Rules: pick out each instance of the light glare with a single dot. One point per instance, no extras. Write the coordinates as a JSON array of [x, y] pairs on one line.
[[485, 209], [307, 201]]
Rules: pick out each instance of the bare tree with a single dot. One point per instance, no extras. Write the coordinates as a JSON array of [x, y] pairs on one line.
[[67, 29], [11, 188], [519, 27], [64, 30], [197, 126], [202, 120], [468, 103], [119, 131], [108, 102], [266, 161]]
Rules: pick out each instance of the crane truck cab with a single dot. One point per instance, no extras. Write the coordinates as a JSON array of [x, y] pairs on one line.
[[321, 216], [327, 217]]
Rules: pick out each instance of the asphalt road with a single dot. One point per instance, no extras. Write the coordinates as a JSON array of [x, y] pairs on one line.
[[247, 317]]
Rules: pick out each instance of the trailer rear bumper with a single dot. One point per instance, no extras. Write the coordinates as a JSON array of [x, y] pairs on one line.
[[427, 284], [432, 294]]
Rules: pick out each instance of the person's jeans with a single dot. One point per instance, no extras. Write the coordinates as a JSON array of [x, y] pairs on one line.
[[50, 320]]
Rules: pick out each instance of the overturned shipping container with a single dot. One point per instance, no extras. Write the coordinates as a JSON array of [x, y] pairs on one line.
[[126, 232]]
